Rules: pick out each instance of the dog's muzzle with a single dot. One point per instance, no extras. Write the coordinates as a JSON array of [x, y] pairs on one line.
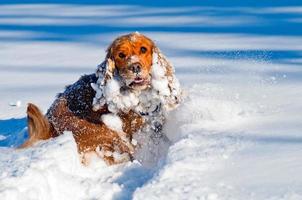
[[136, 68]]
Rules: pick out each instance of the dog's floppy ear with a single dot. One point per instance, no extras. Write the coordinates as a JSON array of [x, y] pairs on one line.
[[105, 72], [163, 74], [106, 69]]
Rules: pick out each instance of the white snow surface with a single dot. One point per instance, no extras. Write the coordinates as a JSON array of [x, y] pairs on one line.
[[237, 135]]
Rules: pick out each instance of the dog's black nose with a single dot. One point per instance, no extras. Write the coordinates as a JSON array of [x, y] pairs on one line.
[[136, 68]]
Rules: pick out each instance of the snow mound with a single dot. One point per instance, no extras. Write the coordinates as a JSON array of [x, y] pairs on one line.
[[52, 170]]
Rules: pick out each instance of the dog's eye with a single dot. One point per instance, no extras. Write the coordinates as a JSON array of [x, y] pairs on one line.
[[143, 49], [121, 55]]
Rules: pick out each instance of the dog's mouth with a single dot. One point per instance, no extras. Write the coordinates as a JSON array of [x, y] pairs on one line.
[[139, 81]]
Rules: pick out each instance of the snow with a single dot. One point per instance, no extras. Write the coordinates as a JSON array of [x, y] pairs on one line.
[[17, 103], [159, 80], [113, 121], [2, 137], [42, 172], [237, 134]]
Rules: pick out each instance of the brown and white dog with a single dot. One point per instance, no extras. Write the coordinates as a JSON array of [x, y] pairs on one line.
[[135, 83]]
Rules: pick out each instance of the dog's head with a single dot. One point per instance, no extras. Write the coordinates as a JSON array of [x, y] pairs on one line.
[[130, 58], [136, 62]]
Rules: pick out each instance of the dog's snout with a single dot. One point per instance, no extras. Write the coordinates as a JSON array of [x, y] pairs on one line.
[[136, 68]]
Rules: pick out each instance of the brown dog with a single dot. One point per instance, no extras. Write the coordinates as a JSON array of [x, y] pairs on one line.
[[73, 109]]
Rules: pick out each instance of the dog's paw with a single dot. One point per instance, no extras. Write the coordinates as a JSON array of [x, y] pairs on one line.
[[112, 156]]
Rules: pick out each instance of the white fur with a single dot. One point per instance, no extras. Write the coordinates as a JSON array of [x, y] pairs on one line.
[[134, 59]]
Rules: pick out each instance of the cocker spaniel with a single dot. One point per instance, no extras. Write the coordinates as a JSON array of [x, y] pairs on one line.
[[113, 111]]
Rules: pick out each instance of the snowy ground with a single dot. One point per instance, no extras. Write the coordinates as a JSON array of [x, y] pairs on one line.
[[238, 134]]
